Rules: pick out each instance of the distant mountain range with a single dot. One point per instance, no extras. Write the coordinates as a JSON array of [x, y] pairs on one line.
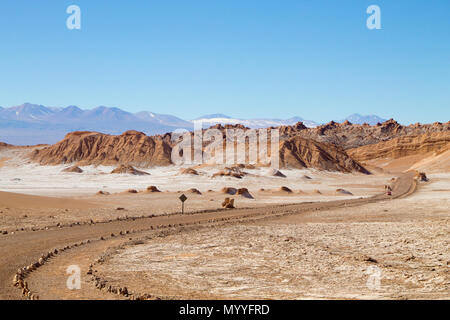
[[34, 124], [359, 119], [213, 119]]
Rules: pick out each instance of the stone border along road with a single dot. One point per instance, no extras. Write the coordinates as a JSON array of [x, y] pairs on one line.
[[21, 253]]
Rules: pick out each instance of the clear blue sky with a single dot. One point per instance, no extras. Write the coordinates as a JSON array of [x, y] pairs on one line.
[[246, 58]]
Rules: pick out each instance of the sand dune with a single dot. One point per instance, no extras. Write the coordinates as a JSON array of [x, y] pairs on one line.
[[437, 162], [403, 147], [428, 152]]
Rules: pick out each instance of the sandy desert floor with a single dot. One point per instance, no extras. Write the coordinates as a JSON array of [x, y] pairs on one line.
[[328, 255], [275, 245]]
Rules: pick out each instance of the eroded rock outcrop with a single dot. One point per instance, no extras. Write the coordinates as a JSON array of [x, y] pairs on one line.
[[328, 147], [300, 153], [73, 169], [86, 148], [127, 169], [347, 135], [188, 171], [404, 146]]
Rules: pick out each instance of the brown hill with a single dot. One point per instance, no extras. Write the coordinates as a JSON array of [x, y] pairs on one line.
[[136, 148], [298, 152], [85, 148], [321, 148]]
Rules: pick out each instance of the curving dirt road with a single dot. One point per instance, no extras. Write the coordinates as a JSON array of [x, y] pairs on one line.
[[21, 249]]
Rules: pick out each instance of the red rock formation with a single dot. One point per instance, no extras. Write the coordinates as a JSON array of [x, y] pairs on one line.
[[321, 148], [85, 148]]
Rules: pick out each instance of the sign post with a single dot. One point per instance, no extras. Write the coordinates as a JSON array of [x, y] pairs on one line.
[[182, 198]]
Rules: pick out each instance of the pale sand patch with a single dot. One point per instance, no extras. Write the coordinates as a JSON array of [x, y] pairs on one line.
[[439, 162], [50, 181], [21, 212], [434, 162]]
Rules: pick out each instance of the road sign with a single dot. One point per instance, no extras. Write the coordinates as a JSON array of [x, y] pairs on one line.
[[183, 198]]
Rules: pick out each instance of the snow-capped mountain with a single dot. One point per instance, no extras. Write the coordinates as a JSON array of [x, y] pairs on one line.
[[360, 119], [27, 112], [213, 116], [210, 120], [34, 124], [163, 119], [101, 116]]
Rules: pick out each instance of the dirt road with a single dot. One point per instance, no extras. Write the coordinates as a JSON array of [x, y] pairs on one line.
[[22, 249]]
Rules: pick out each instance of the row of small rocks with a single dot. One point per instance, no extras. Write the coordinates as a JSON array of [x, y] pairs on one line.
[[102, 284], [92, 222], [80, 223], [20, 276], [19, 279]]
